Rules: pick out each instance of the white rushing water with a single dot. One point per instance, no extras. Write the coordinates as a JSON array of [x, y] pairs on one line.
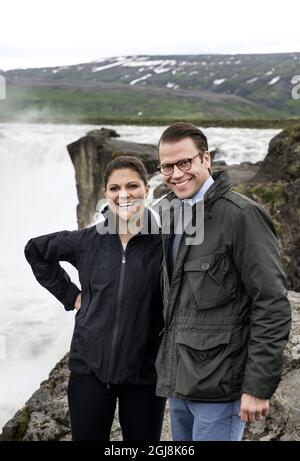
[[38, 196]]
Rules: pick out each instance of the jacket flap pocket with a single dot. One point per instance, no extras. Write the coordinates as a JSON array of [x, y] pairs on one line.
[[203, 340], [203, 264]]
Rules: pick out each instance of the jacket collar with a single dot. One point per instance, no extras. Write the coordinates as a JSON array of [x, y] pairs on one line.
[[220, 186]]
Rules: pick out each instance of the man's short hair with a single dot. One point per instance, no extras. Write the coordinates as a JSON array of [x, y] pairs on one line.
[[180, 130]]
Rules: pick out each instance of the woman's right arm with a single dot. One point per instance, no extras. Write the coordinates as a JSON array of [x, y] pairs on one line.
[[44, 253]]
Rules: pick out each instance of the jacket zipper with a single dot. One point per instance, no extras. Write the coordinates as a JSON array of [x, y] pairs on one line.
[[116, 324]]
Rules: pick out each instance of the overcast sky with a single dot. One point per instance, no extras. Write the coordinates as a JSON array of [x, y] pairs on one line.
[[35, 33]]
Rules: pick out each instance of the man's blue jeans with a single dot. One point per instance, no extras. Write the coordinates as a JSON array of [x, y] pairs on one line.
[[195, 421]]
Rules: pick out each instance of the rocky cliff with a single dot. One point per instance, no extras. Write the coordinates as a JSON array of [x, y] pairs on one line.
[[90, 155], [277, 187]]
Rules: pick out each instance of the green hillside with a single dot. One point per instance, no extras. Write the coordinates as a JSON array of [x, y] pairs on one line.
[[158, 89]]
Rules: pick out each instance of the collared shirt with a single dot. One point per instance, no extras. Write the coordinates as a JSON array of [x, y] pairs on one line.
[[200, 194], [186, 202]]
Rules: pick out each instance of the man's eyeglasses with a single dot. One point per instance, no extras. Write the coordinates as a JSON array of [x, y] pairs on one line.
[[184, 165]]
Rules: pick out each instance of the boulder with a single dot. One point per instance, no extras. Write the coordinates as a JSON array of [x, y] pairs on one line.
[[276, 186], [283, 421], [283, 159]]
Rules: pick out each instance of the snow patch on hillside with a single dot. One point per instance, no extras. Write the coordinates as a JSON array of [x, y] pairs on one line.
[[137, 80]]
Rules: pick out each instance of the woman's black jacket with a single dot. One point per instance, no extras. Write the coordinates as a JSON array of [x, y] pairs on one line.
[[116, 333]]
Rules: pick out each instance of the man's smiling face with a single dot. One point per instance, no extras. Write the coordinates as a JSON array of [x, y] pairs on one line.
[[185, 184]]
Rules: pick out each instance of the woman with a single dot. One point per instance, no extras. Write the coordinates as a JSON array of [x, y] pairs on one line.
[[119, 309]]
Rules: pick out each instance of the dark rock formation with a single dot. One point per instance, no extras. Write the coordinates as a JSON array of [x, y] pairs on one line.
[[216, 154], [90, 156], [283, 421], [103, 132], [283, 159], [46, 417], [46, 414], [277, 187], [160, 190]]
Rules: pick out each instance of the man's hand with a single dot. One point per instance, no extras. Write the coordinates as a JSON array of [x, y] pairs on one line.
[[78, 302], [253, 408]]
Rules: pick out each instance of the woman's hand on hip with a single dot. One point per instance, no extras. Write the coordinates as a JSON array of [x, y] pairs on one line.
[[78, 302]]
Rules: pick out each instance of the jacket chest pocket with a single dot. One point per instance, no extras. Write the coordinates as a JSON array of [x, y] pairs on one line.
[[212, 280]]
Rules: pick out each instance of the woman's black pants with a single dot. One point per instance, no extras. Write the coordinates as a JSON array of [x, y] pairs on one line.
[[92, 407]]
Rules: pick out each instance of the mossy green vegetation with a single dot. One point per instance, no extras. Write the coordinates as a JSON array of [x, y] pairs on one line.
[[271, 195], [292, 134], [294, 169], [23, 421]]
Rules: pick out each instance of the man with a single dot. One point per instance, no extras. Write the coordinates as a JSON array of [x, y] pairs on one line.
[[227, 317]]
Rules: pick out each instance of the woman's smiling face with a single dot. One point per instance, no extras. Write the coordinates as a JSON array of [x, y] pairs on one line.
[[126, 193]]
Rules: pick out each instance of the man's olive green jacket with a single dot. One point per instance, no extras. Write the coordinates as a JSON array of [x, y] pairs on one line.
[[227, 316]]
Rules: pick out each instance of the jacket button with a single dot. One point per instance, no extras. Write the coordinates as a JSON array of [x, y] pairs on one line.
[[205, 266]]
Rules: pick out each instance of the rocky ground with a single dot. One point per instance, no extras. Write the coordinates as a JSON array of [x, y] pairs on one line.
[[283, 422], [277, 187]]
